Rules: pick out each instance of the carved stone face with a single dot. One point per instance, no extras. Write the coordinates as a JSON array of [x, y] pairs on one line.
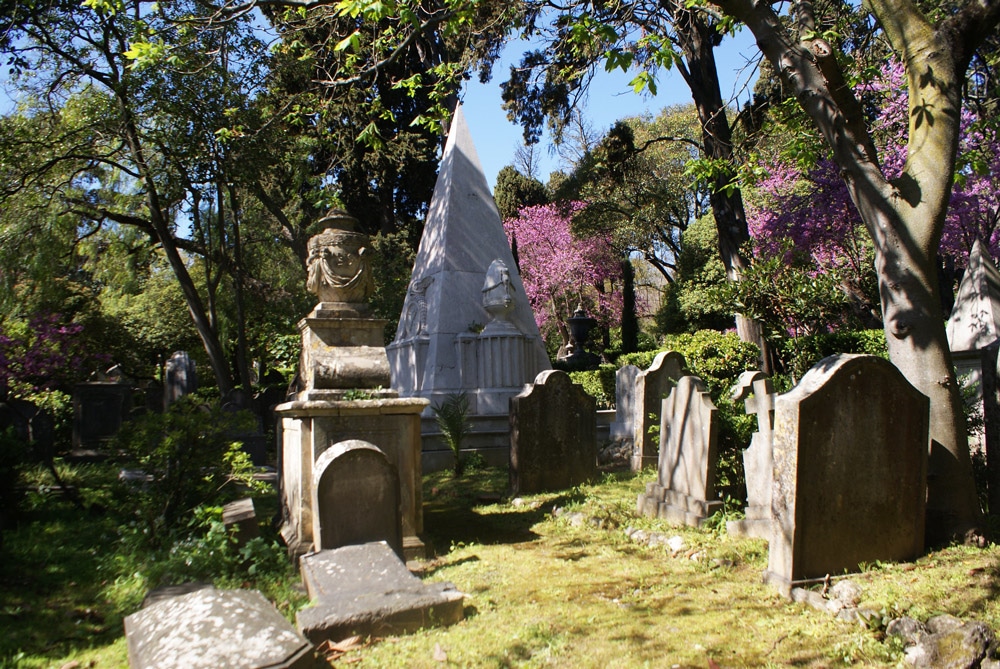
[[341, 261], [338, 267]]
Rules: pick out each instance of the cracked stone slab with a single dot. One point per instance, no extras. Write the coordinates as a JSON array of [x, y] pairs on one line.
[[215, 629], [367, 590]]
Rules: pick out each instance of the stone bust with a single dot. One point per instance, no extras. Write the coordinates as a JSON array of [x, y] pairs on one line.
[[338, 262]]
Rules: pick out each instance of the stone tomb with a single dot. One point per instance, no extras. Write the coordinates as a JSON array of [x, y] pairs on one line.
[[310, 428], [210, 628], [552, 442], [342, 358], [356, 497], [684, 492], [850, 463], [99, 409], [757, 393], [367, 590], [651, 387]]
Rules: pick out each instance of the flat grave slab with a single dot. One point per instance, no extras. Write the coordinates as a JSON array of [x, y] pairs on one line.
[[367, 590], [215, 629]]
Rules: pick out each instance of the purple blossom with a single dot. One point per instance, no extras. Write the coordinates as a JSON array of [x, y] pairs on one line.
[[559, 270]]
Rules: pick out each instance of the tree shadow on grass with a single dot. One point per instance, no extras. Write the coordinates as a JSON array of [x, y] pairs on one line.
[[51, 599], [461, 522]]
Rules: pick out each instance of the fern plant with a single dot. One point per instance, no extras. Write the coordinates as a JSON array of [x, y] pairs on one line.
[[452, 418]]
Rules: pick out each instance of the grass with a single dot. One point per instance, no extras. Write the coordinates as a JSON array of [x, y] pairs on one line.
[[542, 589]]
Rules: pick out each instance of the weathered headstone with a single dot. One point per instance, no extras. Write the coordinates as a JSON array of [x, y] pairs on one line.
[[356, 497], [367, 590], [552, 443], [241, 518], [991, 421], [180, 377], [210, 628], [684, 492], [623, 428], [850, 463], [99, 409], [652, 386], [757, 393]]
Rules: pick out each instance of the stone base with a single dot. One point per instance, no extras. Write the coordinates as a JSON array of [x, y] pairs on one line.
[[675, 507], [308, 428], [366, 590], [414, 548], [757, 524], [640, 462]]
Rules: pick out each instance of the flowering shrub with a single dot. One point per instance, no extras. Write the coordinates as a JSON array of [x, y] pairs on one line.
[[560, 270], [813, 207], [44, 353]]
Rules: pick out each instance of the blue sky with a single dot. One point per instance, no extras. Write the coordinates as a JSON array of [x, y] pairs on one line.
[[610, 99]]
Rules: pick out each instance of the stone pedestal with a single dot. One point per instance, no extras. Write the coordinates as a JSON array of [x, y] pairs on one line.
[[310, 427], [341, 353]]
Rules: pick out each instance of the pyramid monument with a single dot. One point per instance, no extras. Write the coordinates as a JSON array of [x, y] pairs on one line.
[[466, 324], [975, 319], [975, 324]]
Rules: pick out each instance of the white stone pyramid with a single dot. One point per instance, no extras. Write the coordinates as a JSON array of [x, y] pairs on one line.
[[440, 347], [975, 318]]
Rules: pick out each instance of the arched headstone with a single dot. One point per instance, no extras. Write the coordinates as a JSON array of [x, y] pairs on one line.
[[356, 497]]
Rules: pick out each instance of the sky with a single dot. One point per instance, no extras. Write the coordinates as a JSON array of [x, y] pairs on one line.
[[610, 99]]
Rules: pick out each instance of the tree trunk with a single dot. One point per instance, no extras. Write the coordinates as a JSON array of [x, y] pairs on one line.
[[630, 323], [904, 217], [209, 338], [698, 41], [918, 346]]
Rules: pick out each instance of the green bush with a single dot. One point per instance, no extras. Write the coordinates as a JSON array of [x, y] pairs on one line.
[[717, 357], [189, 457], [801, 353], [452, 416], [208, 551], [598, 383]]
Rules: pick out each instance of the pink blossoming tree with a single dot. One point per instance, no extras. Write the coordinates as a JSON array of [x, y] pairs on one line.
[[560, 271], [814, 210]]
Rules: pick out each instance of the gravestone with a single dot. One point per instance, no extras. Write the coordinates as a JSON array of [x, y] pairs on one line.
[[99, 409], [757, 393], [240, 518], [210, 628], [684, 492], [552, 426], [652, 386], [367, 590], [623, 427], [850, 463], [180, 377], [356, 497]]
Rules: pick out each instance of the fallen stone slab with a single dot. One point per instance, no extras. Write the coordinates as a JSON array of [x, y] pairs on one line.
[[215, 629], [366, 590]]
